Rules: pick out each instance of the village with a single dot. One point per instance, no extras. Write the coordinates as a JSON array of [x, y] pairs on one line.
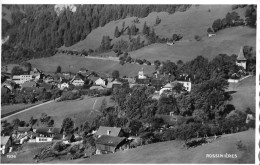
[[107, 139]]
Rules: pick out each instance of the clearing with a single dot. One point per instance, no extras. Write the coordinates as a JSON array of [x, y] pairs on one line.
[[71, 63]]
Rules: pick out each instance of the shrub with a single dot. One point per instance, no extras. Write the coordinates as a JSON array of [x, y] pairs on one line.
[[197, 38], [59, 146], [240, 146]]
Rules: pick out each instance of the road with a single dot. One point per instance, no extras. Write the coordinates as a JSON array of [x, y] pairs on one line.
[[28, 109]]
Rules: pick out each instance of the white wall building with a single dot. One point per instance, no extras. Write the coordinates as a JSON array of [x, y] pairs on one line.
[[20, 79], [141, 74]]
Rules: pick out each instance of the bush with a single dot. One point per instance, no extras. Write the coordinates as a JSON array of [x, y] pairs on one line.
[[197, 38], [240, 146], [59, 146]]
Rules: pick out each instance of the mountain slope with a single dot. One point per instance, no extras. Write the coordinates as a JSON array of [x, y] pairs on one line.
[[194, 21]]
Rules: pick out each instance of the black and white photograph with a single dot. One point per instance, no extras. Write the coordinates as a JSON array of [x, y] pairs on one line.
[[129, 83]]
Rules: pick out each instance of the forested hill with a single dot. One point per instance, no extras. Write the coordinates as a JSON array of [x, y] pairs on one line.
[[36, 30]]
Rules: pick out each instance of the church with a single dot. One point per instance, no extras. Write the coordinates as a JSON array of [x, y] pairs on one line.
[[241, 60]]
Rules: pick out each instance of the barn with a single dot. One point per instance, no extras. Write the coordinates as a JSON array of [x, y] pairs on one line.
[[109, 144]]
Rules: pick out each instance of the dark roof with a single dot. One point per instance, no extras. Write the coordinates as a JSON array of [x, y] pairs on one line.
[[114, 131], [142, 81], [48, 130], [46, 86], [29, 84], [110, 140], [24, 129], [241, 55]]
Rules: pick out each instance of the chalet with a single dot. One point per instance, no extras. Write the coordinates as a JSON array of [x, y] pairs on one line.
[[63, 84], [250, 117], [6, 143], [109, 144], [77, 81], [101, 81], [48, 79], [167, 87], [47, 134], [111, 131], [241, 60]]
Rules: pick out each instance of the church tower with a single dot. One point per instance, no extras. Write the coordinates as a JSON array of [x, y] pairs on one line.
[[241, 60]]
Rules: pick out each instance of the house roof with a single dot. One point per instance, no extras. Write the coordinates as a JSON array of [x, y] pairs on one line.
[[47, 130], [114, 131], [24, 129], [168, 85], [110, 140], [241, 55], [98, 87], [4, 139], [142, 81], [29, 84]]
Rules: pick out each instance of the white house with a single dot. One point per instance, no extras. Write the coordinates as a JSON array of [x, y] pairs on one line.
[[186, 84], [241, 60], [5, 144], [101, 82], [47, 134], [63, 85], [141, 74]]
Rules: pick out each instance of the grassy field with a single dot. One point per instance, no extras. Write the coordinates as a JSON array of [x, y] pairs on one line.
[[174, 152], [194, 21], [245, 94], [74, 63], [15, 107], [228, 41], [79, 110]]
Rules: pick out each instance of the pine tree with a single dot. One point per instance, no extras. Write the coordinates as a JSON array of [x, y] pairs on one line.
[[117, 33], [123, 28]]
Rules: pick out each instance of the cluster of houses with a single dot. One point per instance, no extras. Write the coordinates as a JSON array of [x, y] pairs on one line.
[[108, 139]]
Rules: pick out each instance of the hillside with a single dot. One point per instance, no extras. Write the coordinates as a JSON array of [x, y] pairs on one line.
[[173, 152], [245, 94], [227, 41], [74, 63], [194, 21], [79, 110]]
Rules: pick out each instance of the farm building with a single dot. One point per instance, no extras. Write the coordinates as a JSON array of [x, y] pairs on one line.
[[47, 134], [109, 144]]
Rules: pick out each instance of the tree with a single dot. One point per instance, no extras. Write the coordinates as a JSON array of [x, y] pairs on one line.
[[117, 33], [197, 38], [15, 123], [58, 70], [86, 127], [28, 66], [217, 25], [44, 118], [145, 29], [209, 30], [134, 127], [68, 125], [115, 74], [157, 21], [17, 71], [123, 28], [157, 64]]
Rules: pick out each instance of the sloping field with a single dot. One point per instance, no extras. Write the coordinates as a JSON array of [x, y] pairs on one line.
[[228, 41], [174, 152], [245, 94], [79, 110], [74, 63], [194, 21]]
